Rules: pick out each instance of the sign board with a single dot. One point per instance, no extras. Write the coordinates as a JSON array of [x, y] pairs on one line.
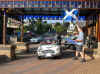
[[48, 4], [12, 23]]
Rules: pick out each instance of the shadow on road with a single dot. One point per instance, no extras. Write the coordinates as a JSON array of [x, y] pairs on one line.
[[24, 55], [68, 54], [4, 59]]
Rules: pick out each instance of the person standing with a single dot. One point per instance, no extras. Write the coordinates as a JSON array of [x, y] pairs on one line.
[[59, 39], [79, 45]]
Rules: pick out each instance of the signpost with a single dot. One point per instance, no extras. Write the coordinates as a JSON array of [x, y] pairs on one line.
[[4, 27]]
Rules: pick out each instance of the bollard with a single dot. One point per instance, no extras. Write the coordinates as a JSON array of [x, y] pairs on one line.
[[13, 50], [13, 40], [27, 46]]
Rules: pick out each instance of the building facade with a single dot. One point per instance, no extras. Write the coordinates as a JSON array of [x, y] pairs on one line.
[[53, 9]]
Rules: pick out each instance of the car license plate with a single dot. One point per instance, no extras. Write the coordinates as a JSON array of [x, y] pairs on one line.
[[48, 55]]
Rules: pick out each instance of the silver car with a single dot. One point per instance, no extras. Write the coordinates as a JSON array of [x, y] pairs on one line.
[[48, 50]]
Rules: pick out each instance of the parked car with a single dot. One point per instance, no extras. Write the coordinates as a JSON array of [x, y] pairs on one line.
[[49, 36], [27, 37], [48, 49], [47, 41], [36, 39], [69, 43]]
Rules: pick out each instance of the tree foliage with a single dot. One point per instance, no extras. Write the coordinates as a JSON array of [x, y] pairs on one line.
[[38, 26], [59, 28]]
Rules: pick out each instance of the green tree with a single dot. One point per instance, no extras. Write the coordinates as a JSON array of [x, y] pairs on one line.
[[59, 28], [38, 26]]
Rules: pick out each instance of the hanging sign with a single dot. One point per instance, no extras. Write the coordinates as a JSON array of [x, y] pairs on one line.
[[72, 14], [12, 23]]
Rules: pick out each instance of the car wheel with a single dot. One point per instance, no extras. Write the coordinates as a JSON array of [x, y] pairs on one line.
[[72, 47], [39, 57], [58, 57]]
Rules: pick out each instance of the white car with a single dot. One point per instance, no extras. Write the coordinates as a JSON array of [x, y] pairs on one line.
[[48, 50]]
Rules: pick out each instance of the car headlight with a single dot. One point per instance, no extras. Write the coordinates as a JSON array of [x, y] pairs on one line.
[[39, 49], [58, 50]]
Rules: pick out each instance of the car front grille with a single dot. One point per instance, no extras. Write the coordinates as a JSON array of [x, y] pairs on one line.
[[48, 51]]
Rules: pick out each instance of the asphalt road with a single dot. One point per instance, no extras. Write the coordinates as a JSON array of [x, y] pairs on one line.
[[29, 64]]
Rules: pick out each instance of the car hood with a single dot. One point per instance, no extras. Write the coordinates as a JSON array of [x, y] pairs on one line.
[[35, 38]]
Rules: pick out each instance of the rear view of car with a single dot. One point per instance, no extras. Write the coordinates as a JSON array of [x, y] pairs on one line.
[[36, 39]]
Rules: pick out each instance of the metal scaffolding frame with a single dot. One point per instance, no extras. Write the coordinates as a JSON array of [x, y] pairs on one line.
[[49, 3]]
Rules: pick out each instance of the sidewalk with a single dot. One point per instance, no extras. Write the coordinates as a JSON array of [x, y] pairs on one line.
[[91, 67], [5, 50]]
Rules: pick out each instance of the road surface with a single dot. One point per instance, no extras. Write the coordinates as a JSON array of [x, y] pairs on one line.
[[29, 64]]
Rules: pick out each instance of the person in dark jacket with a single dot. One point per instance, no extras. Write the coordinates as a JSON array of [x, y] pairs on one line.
[[59, 39]]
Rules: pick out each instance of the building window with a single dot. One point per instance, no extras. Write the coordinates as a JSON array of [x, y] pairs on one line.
[[98, 4], [19, 4], [76, 4], [67, 4], [43, 5], [49, 6], [79, 5], [91, 4], [83, 4]]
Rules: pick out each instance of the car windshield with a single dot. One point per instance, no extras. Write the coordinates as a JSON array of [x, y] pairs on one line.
[[48, 41], [35, 36]]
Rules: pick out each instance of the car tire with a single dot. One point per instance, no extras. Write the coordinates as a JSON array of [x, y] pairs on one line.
[[72, 47], [39, 57], [58, 57]]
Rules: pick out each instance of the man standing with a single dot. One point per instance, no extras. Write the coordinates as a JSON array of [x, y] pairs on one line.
[[79, 45], [59, 39]]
